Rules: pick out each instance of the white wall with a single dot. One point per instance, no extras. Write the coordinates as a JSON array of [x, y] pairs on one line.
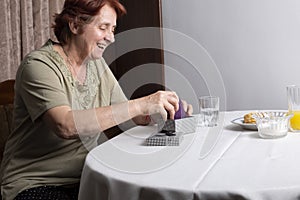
[[255, 45]]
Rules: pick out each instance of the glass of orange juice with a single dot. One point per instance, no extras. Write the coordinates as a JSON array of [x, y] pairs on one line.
[[293, 97]]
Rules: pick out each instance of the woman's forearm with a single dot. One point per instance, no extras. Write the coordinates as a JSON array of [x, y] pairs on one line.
[[68, 123]]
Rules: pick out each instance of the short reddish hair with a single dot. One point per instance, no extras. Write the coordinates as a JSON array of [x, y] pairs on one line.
[[81, 12]]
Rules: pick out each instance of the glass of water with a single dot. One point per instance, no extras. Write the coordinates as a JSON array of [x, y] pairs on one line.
[[209, 110]]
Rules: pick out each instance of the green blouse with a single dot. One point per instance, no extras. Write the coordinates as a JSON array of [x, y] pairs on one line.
[[34, 155]]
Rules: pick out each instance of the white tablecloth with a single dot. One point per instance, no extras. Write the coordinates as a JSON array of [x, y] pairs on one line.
[[224, 162]]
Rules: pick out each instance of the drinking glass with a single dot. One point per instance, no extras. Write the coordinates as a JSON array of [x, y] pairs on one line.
[[293, 97], [209, 111]]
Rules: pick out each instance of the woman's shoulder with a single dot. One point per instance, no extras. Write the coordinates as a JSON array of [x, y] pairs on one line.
[[44, 53], [41, 52]]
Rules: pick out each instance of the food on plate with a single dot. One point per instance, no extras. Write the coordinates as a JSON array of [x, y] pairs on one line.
[[249, 119]]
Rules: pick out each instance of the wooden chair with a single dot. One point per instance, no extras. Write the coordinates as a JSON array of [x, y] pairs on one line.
[[6, 112], [7, 92]]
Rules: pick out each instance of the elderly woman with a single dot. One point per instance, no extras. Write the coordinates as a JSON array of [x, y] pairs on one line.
[[65, 97]]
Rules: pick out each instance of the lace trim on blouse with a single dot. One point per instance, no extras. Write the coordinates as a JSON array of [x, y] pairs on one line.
[[83, 95]]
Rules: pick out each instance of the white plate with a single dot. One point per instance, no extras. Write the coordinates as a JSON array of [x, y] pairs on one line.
[[240, 121]]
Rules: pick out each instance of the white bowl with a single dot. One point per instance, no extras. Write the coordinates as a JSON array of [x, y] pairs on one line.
[[272, 124]]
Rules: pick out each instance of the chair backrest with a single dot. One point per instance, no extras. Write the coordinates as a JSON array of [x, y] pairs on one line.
[[6, 112], [7, 92]]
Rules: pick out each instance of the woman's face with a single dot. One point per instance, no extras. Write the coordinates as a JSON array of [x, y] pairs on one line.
[[98, 34]]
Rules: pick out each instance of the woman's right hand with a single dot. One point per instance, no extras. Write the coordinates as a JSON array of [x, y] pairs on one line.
[[161, 102]]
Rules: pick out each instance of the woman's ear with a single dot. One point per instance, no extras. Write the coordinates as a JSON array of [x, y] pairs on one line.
[[74, 28]]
